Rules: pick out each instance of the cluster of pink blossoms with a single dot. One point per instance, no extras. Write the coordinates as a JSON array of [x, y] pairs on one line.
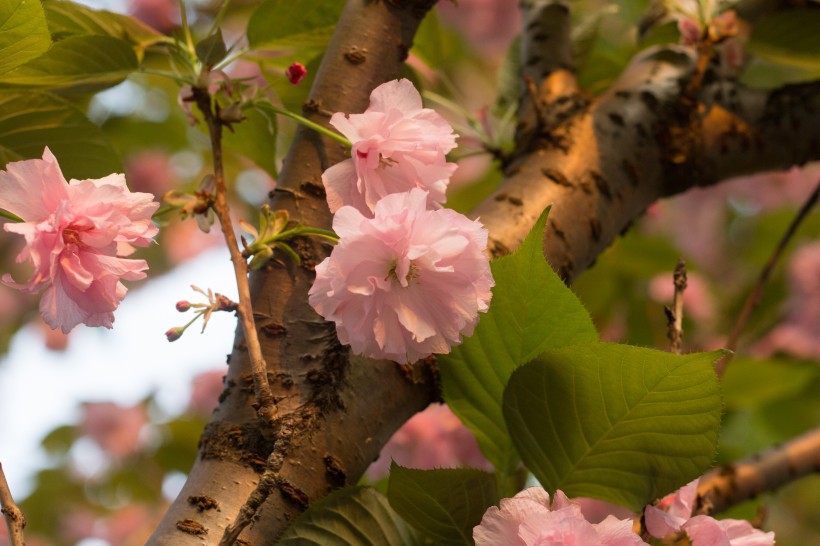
[[528, 520], [76, 236], [408, 278]]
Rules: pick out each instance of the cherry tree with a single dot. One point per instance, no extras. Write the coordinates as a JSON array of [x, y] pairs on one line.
[[373, 283]]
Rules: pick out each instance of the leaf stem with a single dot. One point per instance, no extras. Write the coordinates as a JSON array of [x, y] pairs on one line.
[[306, 122]]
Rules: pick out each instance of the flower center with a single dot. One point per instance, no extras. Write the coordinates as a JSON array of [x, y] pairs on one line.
[[412, 273], [71, 236]]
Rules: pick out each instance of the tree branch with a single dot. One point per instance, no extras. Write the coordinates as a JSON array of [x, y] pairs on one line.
[[15, 520], [728, 485]]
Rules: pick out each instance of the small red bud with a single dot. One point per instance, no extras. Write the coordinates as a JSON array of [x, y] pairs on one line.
[[183, 306], [295, 73], [174, 334]]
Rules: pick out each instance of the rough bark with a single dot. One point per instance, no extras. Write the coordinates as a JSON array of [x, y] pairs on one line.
[[599, 162]]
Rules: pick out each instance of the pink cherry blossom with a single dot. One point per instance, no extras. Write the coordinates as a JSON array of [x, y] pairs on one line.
[[116, 429], [528, 520], [75, 235], [397, 145], [404, 284], [433, 438], [707, 531], [672, 511]]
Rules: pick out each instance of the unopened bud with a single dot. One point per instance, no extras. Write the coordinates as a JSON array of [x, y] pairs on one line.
[[174, 334], [295, 73], [183, 306]]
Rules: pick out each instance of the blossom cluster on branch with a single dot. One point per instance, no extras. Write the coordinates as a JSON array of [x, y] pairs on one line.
[[77, 234], [408, 278]]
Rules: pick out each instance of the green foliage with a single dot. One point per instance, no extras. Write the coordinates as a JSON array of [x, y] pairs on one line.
[[79, 63], [69, 19], [618, 423], [212, 49], [289, 24], [790, 37], [354, 516], [532, 311], [30, 120], [255, 138], [23, 33], [444, 504]]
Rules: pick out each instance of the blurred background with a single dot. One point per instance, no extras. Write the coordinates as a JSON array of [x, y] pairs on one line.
[[99, 427]]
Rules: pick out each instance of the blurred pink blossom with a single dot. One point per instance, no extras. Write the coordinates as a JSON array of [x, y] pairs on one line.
[[205, 392], [116, 429], [690, 31], [397, 145], [528, 520], [161, 15], [150, 171], [183, 240], [799, 334], [433, 438], [404, 284], [489, 25], [131, 525], [76, 234]]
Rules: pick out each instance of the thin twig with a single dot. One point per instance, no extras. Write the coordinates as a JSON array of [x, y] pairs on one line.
[[15, 520], [732, 484], [754, 296], [674, 315], [266, 409]]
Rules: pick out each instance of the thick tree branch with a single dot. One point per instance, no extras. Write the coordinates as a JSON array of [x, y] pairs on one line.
[[334, 411], [731, 484], [606, 163]]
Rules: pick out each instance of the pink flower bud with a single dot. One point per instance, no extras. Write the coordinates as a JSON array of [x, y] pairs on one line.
[[295, 73], [174, 334], [183, 306]]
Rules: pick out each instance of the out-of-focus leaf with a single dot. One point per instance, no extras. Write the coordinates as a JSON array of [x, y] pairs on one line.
[[750, 383], [292, 24], [71, 19], [614, 422], [790, 37], [31, 121], [255, 138], [60, 440], [436, 46], [762, 74], [532, 311], [23, 33], [80, 63], [353, 516], [444, 504], [212, 49]]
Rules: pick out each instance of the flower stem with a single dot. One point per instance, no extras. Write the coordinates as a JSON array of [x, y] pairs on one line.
[[266, 409]]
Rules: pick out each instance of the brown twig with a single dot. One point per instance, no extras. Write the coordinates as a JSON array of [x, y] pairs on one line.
[[754, 296], [674, 315], [731, 484], [266, 409], [15, 520]]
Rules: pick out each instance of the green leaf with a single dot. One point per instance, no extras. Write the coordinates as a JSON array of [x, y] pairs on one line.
[[789, 37], [444, 504], [79, 63], [531, 311], [255, 138], [613, 422], [23, 32], [212, 49], [290, 24], [69, 19], [749, 383], [31, 121], [353, 516]]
